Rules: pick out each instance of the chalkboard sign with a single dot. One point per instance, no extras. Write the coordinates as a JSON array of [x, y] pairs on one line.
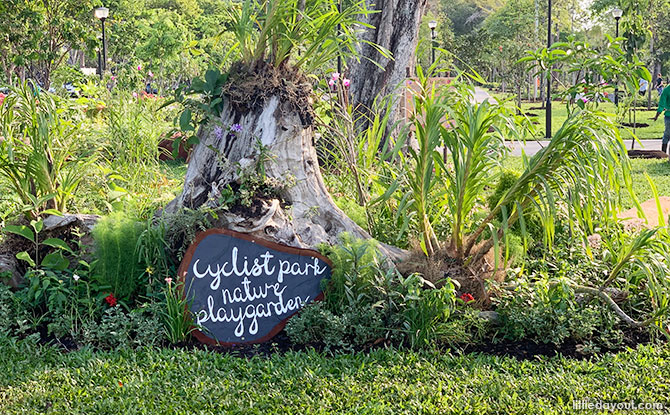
[[242, 289]]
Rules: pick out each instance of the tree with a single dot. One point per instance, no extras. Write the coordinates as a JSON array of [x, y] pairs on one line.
[[512, 29], [392, 26], [37, 45]]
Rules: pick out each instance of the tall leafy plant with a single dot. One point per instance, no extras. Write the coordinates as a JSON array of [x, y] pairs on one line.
[[581, 170], [306, 34], [421, 175], [38, 160], [475, 145]]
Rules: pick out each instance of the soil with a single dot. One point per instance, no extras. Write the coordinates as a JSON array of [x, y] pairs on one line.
[[280, 344], [249, 86], [647, 154], [529, 350], [636, 125]]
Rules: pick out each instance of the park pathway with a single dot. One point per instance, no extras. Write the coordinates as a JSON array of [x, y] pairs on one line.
[[481, 95], [532, 147]]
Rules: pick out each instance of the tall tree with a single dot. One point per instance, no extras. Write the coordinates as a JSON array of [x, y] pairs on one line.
[[42, 42], [394, 26]]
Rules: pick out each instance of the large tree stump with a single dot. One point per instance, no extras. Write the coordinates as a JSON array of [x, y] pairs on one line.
[[304, 215]]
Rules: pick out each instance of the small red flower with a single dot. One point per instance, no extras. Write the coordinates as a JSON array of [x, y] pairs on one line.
[[111, 300], [466, 297]]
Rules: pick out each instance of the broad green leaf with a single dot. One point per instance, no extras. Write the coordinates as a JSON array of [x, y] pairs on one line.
[[22, 230], [57, 243], [23, 256], [55, 261]]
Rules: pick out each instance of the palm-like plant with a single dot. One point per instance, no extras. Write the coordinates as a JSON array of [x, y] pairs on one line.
[[475, 145], [422, 172], [582, 168]]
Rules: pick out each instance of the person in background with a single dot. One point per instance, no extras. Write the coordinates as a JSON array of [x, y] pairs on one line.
[[659, 84], [644, 84], [664, 106]]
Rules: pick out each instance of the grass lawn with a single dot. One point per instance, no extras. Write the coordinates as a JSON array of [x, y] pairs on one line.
[[38, 379], [654, 130]]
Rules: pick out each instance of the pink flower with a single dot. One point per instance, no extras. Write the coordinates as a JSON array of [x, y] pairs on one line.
[[134, 94], [151, 74], [346, 82], [335, 76], [2, 98], [168, 280], [331, 82], [139, 67], [113, 78]]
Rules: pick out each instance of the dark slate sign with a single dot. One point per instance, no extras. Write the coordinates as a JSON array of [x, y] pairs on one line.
[[243, 289]]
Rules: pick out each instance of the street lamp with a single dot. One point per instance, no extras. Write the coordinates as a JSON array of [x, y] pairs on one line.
[[617, 13], [101, 13], [432, 25], [547, 114]]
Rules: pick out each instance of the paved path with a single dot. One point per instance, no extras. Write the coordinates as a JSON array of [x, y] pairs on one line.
[[481, 94], [532, 147]]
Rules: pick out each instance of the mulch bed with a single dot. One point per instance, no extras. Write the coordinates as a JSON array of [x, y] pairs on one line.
[[280, 344], [636, 125], [647, 154]]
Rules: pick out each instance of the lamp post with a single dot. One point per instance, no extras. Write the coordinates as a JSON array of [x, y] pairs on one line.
[[432, 25], [617, 13], [548, 105], [101, 13]]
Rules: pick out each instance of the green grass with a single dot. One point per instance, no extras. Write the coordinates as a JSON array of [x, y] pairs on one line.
[[560, 114], [44, 380]]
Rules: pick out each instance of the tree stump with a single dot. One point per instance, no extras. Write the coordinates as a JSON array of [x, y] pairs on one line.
[[304, 215]]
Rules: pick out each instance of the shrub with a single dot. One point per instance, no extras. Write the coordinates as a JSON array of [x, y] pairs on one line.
[[118, 265], [365, 300], [182, 227], [178, 324], [37, 157], [546, 313], [6, 308], [118, 329]]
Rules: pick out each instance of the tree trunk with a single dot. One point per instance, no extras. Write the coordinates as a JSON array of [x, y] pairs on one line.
[[396, 28], [304, 215]]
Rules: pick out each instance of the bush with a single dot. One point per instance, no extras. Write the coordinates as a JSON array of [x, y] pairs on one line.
[[546, 313], [118, 265], [117, 329], [365, 300]]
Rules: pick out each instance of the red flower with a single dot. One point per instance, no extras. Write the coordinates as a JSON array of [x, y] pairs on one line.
[[466, 297], [111, 300], [2, 98]]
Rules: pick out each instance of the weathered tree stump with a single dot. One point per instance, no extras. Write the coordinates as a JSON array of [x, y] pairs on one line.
[[304, 215]]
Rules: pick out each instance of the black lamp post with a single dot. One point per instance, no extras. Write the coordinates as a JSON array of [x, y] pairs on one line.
[[617, 13], [101, 13], [548, 109], [432, 25]]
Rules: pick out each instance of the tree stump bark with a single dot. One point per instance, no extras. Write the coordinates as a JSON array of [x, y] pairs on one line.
[[304, 215]]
